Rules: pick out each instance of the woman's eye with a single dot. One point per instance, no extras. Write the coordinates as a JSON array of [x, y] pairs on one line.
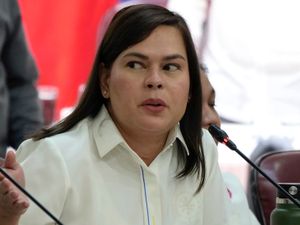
[[135, 65], [212, 104], [171, 67]]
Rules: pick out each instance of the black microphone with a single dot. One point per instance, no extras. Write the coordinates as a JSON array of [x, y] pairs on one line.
[[222, 137], [30, 196]]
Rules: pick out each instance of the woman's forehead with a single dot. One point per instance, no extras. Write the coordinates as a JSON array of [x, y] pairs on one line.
[[163, 40]]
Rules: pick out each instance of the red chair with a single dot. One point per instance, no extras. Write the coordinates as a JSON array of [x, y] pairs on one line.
[[281, 166]]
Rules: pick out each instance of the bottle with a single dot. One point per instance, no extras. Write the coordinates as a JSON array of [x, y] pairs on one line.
[[286, 212]]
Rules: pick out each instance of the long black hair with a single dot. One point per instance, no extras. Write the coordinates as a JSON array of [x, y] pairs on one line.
[[128, 27]]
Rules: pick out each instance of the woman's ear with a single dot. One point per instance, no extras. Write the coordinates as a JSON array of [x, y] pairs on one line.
[[104, 80]]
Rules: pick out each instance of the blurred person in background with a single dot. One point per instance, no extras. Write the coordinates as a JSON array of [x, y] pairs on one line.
[[210, 116], [20, 110]]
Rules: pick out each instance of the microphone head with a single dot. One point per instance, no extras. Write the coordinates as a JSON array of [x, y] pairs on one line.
[[217, 133], [221, 136]]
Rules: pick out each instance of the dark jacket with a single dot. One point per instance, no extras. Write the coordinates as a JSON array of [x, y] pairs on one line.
[[20, 110]]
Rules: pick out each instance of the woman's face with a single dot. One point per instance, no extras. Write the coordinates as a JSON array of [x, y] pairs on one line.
[[148, 84], [209, 113]]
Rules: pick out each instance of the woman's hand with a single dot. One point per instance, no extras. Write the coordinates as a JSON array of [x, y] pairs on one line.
[[13, 203]]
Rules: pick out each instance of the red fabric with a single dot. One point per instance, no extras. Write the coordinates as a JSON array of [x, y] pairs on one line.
[[62, 36]]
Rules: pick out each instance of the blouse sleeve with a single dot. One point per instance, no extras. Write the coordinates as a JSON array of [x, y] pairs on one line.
[[46, 179]]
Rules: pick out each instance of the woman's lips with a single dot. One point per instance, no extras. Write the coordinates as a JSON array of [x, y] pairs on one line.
[[154, 105]]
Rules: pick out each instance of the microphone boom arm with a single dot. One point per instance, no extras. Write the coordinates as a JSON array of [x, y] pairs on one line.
[[222, 137]]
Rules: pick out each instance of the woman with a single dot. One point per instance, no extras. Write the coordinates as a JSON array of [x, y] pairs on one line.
[[129, 153], [239, 203], [209, 113]]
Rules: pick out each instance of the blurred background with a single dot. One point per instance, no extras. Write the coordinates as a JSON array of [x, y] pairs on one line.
[[63, 39]]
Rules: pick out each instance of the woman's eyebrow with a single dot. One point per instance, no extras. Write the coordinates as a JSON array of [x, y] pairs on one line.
[[174, 56], [142, 56], [136, 54]]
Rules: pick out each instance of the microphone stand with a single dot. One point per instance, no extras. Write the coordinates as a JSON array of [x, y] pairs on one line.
[[29, 196], [223, 138]]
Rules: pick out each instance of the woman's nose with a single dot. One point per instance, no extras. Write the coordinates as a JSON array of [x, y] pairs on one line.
[[209, 117], [154, 80], [154, 85]]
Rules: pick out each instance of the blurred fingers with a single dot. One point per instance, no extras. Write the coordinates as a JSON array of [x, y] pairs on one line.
[[12, 201], [10, 159], [4, 186]]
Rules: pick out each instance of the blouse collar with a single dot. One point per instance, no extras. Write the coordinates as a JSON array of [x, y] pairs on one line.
[[107, 135]]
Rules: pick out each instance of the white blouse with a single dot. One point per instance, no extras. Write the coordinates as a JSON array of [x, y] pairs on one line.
[[90, 176]]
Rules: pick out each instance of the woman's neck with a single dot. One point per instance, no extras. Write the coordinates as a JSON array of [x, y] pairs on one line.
[[146, 144], [147, 147]]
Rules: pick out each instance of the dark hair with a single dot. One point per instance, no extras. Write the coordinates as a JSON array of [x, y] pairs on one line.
[[128, 27]]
